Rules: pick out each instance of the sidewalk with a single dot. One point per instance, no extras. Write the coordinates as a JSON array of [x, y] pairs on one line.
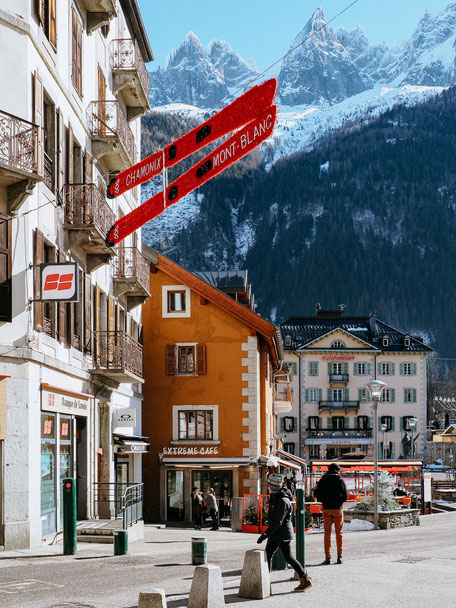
[[406, 567]]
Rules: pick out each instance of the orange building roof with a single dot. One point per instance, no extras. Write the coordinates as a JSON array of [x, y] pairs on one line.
[[266, 329]]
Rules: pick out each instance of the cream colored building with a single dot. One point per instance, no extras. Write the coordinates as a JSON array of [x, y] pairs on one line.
[[332, 357], [74, 85]]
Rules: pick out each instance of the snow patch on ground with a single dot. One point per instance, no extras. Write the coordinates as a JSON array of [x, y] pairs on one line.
[[357, 525]]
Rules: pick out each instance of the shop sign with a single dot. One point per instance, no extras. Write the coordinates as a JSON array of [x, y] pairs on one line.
[[191, 451], [346, 441], [59, 282], [64, 404], [338, 357], [125, 417]]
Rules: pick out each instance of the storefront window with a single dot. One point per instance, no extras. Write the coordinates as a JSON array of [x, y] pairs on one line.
[[175, 496], [48, 474], [65, 458]]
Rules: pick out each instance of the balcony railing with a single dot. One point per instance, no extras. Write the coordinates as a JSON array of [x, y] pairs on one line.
[[130, 265], [18, 144], [107, 123], [127, 58], [118, 355], [85, 206], [338, 378], [349, 433], [338, 405]]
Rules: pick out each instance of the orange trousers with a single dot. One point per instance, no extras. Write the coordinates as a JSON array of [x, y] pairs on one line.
[[330, 517]]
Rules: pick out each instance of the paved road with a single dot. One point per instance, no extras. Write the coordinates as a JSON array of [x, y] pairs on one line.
[[407, 567]]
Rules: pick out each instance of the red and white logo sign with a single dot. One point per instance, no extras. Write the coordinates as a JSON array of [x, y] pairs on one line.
[[60, 282]]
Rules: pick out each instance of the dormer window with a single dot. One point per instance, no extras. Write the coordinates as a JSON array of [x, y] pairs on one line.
[[407, 341], [287, 340], [338, 344], [386, 341]]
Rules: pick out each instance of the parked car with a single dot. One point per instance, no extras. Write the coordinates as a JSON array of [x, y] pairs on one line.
[[436, 467]]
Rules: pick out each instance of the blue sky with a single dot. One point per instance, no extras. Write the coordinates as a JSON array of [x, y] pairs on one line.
[[263, 30]]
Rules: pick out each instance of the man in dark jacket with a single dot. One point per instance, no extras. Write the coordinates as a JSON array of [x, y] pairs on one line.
[[280, 530], [331, 491]]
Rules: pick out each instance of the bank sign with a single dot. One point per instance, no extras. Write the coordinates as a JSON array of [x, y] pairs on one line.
[[59, 282], [64, 404]]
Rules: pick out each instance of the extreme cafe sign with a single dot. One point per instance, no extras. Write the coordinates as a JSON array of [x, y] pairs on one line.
[[191, 451]]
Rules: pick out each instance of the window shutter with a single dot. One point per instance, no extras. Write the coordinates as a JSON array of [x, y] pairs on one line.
[[370, 422], [61, 319], [346, 394], [414, 395], [379, 422], [346, 422], [393, 395], [392, 422], [60, 161], [393, 449], [360, 394], [320, 422], [330, 368], [38, 111], [345, 367], [329, 423], [97, 322], [87, 314], [170, 360], [88, 168], [295, 424], [306, 396], [405, 395], [40, 8], [401, 369], [282, 424], [52, 23], [330, 394], [368, 369], [70, 154], [200, 359], [5, 269], [355, 369], [320, 394], [393, 368], [38, 259], [379, 369], [413, 369], [70, 327]]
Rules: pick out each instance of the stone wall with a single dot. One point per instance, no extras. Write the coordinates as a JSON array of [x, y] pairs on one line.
[[387, 519]]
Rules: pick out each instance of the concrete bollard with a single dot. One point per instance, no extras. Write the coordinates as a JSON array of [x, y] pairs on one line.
[[207, 588], [155, 598], [255, 580]]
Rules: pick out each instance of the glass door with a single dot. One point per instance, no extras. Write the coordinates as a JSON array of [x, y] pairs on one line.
[[48, 475], [65, 458], [175, 496]]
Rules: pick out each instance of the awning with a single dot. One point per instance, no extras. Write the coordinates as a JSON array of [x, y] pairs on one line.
[[130, 444], [288, 464], [234, 462], [300, 461], [275, 461]]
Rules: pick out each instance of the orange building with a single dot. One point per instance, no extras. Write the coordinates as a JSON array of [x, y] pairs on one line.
[[212, 389]]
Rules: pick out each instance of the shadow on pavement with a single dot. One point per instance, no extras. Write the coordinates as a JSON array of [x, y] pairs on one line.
[[32, 556], [232, 573], [176, 564]]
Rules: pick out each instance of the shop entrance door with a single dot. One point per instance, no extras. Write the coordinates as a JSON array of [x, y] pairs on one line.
[[222, 482], [175, 496]]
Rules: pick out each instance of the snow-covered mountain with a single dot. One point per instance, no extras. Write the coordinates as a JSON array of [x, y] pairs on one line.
[[199, 77]]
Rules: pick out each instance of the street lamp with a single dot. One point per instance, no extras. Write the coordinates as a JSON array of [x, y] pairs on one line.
[[412, 426], [375, 388], [384, 428]]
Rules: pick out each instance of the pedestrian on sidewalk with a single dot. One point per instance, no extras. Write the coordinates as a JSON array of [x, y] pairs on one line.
[[331, 491], [212, 508], [280, 530], [197, 508]]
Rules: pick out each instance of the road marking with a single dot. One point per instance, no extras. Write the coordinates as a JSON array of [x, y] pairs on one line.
[[28, 584]]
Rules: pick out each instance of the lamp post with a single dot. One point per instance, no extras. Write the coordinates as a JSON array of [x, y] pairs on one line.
[[384, 428], [412, 425], [375, 388]]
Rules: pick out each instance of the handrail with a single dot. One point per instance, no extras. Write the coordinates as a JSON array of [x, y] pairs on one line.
[[107, 121], [86, 206], [126, 56], [116, 350], [130, 264], [132, 504], [18, 143]]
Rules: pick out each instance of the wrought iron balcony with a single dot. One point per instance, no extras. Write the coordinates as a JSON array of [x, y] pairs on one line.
[[338, 378], [99, 13], [131, 276], [338, 405], [117, 356], [88, 218], [19, 165], [130, 76], [346, 433], [111, 135], [282, 397]]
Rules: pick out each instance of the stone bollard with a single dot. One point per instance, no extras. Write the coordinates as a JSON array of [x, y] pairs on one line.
[[255, 580], [207, 588], [155, 598]]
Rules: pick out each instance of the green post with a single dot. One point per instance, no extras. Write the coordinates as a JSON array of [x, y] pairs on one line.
[[199, 550], [120, 542], [300, 528], [69, 516]]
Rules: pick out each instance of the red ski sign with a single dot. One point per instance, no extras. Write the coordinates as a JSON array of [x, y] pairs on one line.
[[252, 113]]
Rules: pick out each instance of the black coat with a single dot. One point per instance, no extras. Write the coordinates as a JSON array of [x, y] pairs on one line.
[[331, 491], [280, 511]]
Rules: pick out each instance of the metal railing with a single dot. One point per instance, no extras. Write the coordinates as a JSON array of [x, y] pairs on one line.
[[338, 405], [48, 176], [116, 351], [18, 143], [349, 433], [107, 121], [127, 57], [120, 499], [282, 391], [86, 206], [338, 377], [130, 264]]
